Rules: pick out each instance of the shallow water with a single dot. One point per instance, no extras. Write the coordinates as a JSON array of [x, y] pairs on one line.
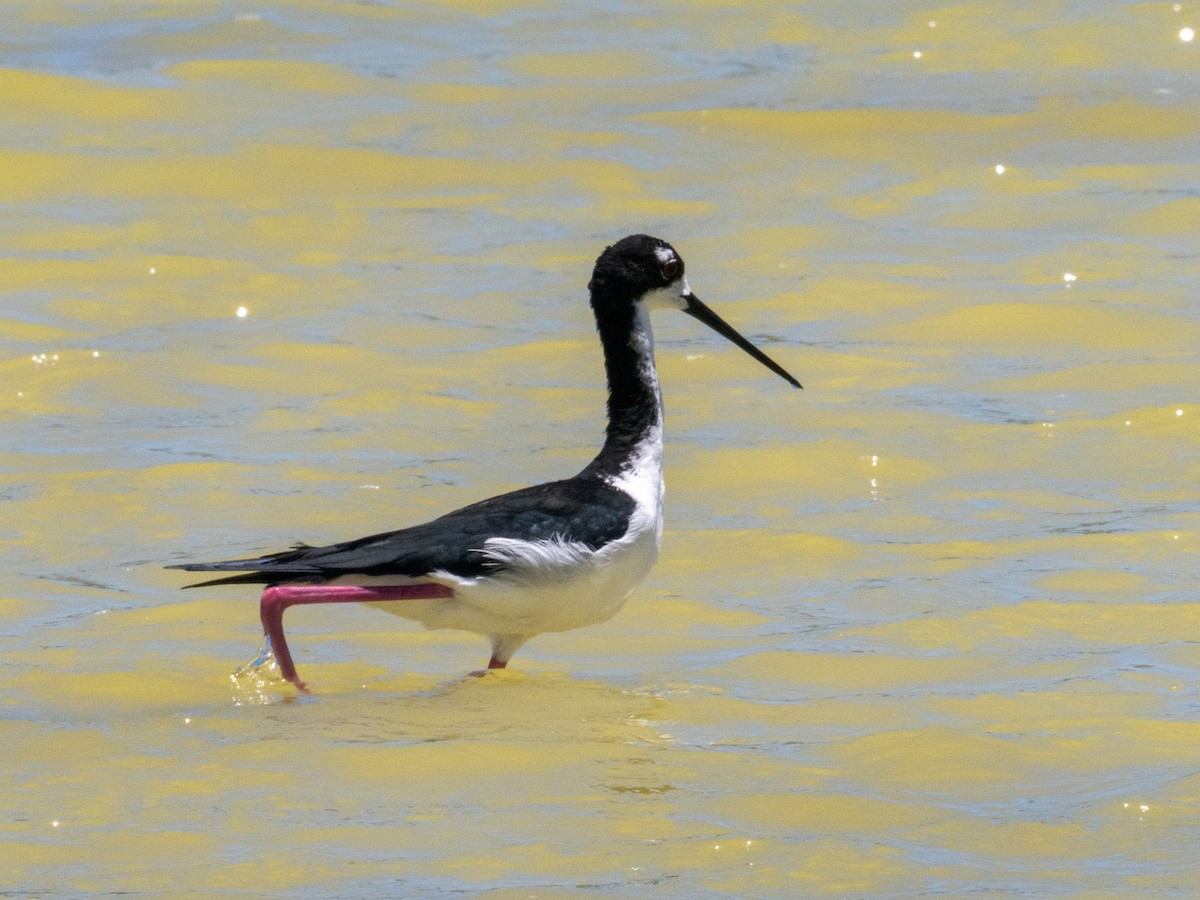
[[925, 628]]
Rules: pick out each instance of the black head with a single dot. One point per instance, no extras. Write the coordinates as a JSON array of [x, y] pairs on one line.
[[645, 270], [634, 266]]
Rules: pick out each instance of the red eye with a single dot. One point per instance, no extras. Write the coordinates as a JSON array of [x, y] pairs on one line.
[[670, 270]]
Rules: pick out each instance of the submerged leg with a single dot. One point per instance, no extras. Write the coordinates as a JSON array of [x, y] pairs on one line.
[[279, 597]]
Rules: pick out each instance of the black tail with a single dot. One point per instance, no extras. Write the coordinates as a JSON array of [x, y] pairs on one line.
[[252, 570], [244, 578]]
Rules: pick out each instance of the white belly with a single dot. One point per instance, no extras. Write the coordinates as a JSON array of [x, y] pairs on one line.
[[545, 586], [552, 585]]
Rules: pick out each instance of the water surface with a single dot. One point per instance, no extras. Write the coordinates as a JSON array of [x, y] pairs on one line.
[[926, 628]]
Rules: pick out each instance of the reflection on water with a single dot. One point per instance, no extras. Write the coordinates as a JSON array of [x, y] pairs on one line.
[[305, 272]]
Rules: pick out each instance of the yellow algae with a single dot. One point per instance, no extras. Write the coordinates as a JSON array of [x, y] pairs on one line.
[[1161, 736], [1124, 623], [974, 38], [1126, 119], [769, 721], [416, 393], [26, 175], [706, 552], [281, 75], [347, 368], [57, 747], [289, 230], [442, 764], [58, 237], [1172, 217], [1127, 377], [35, 97], [1142, 176], [938, 758], [1177, 421], [861, 133], [156, 684], [789, 27], [1028, 841], [1035, 711], [23, 857], [14, 609], [31, 333], [1004, 213], [548, 354], [849, 293], [881, 203], [202, 617], [319, 258], [850, 672], [118, 375], [272, 873], [847, 868], [1100, 623], [619, 198], [831, 467], [906, 197], [78, 863], [266, 176], [322, 356], [1085, 45], [254, 177], [845, 373], [761, 248], [192, 473], [872, 134], [820, 814], [1095, 581], [1024, 327]]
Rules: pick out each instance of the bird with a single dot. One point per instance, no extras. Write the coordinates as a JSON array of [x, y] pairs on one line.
[[546, 558]]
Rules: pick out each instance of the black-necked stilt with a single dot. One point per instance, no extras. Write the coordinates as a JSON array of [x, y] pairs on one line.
[[551, 557]]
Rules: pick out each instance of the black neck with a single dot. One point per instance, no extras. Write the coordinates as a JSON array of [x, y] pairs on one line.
[[634, 403]]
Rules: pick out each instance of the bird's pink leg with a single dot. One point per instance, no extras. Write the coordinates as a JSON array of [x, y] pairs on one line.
[[279, 597], [493, 663]]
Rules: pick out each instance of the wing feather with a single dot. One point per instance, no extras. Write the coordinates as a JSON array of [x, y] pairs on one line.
[[582, 510]]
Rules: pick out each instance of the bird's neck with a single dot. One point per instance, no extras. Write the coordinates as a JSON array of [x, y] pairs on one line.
[[635, 414]]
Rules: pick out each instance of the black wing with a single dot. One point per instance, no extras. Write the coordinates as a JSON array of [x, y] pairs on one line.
[[585, 510]]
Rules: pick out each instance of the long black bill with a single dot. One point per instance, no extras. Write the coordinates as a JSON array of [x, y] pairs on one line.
[[698, 310]]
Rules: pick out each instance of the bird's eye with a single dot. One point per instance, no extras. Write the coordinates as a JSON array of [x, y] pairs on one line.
[[670, 269]]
